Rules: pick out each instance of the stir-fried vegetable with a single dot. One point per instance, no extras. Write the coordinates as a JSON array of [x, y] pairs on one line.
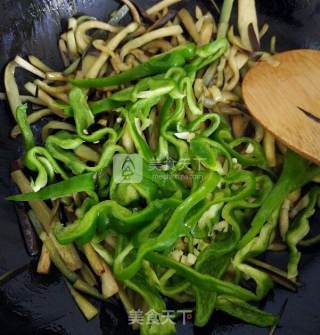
[[157, 173]]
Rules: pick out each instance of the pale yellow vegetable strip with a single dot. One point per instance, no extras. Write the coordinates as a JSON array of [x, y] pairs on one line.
[[273, 43], [259, 131], [207, 30], [29, 67], [83, 39], [161, 5], [64, 52], [53, 89], [94, 259], [32, 118], [284, 219], [71, 40], [44, 261], [88, 310], [56, 76], [118, 65], [68, 253], [11, 87], [235, 40], [87, 275], [86, 153], [127, 304], [111, 45], [241, 60], [270, 149], [39, 64], [198, 12], [55, 257], [161, 44], [302, 204], [247, 15], [109, 285], [126, 140], [295, 195], [33, 100], [148, 37], [189, 24], [133, 10], [263, 30], [229, 86], [140, 55], [55, 125], [83, 287], [32, 89], [57, 92]]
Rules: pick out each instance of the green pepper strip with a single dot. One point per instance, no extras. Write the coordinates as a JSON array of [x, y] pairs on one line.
[[296, 173], [84, 118], [63, 140], [208, 151], [186, 85], [298, 230], [171, 232], [206, 55], [172, 290], [140, 144], [169, 119], [26, 132], [82, 183], [157, 64], [145, 89], [235, 200], [212, 261], [139, 282], [40, 160], [256, 158], [104, 105], [157, 88], [215, 120], [243, 311], [203, 281], [109, 214], [255, 247]]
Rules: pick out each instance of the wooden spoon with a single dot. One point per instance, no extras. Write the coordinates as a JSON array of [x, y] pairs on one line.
[[284, 96]]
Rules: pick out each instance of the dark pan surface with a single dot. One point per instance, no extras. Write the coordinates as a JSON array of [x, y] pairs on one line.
[[37, 305]]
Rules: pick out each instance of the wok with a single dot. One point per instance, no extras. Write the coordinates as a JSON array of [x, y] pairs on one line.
[[41, 305]]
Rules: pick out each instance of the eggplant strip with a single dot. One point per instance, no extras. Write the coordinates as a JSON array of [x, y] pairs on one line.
[[148, 37], [160, 6], [11, 87], [44, 261], [189, 24], [134, 12], [111, 45], [83, 40], [85, 306], [43, 214], [50, 102], [39, 64], [29, 235]]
